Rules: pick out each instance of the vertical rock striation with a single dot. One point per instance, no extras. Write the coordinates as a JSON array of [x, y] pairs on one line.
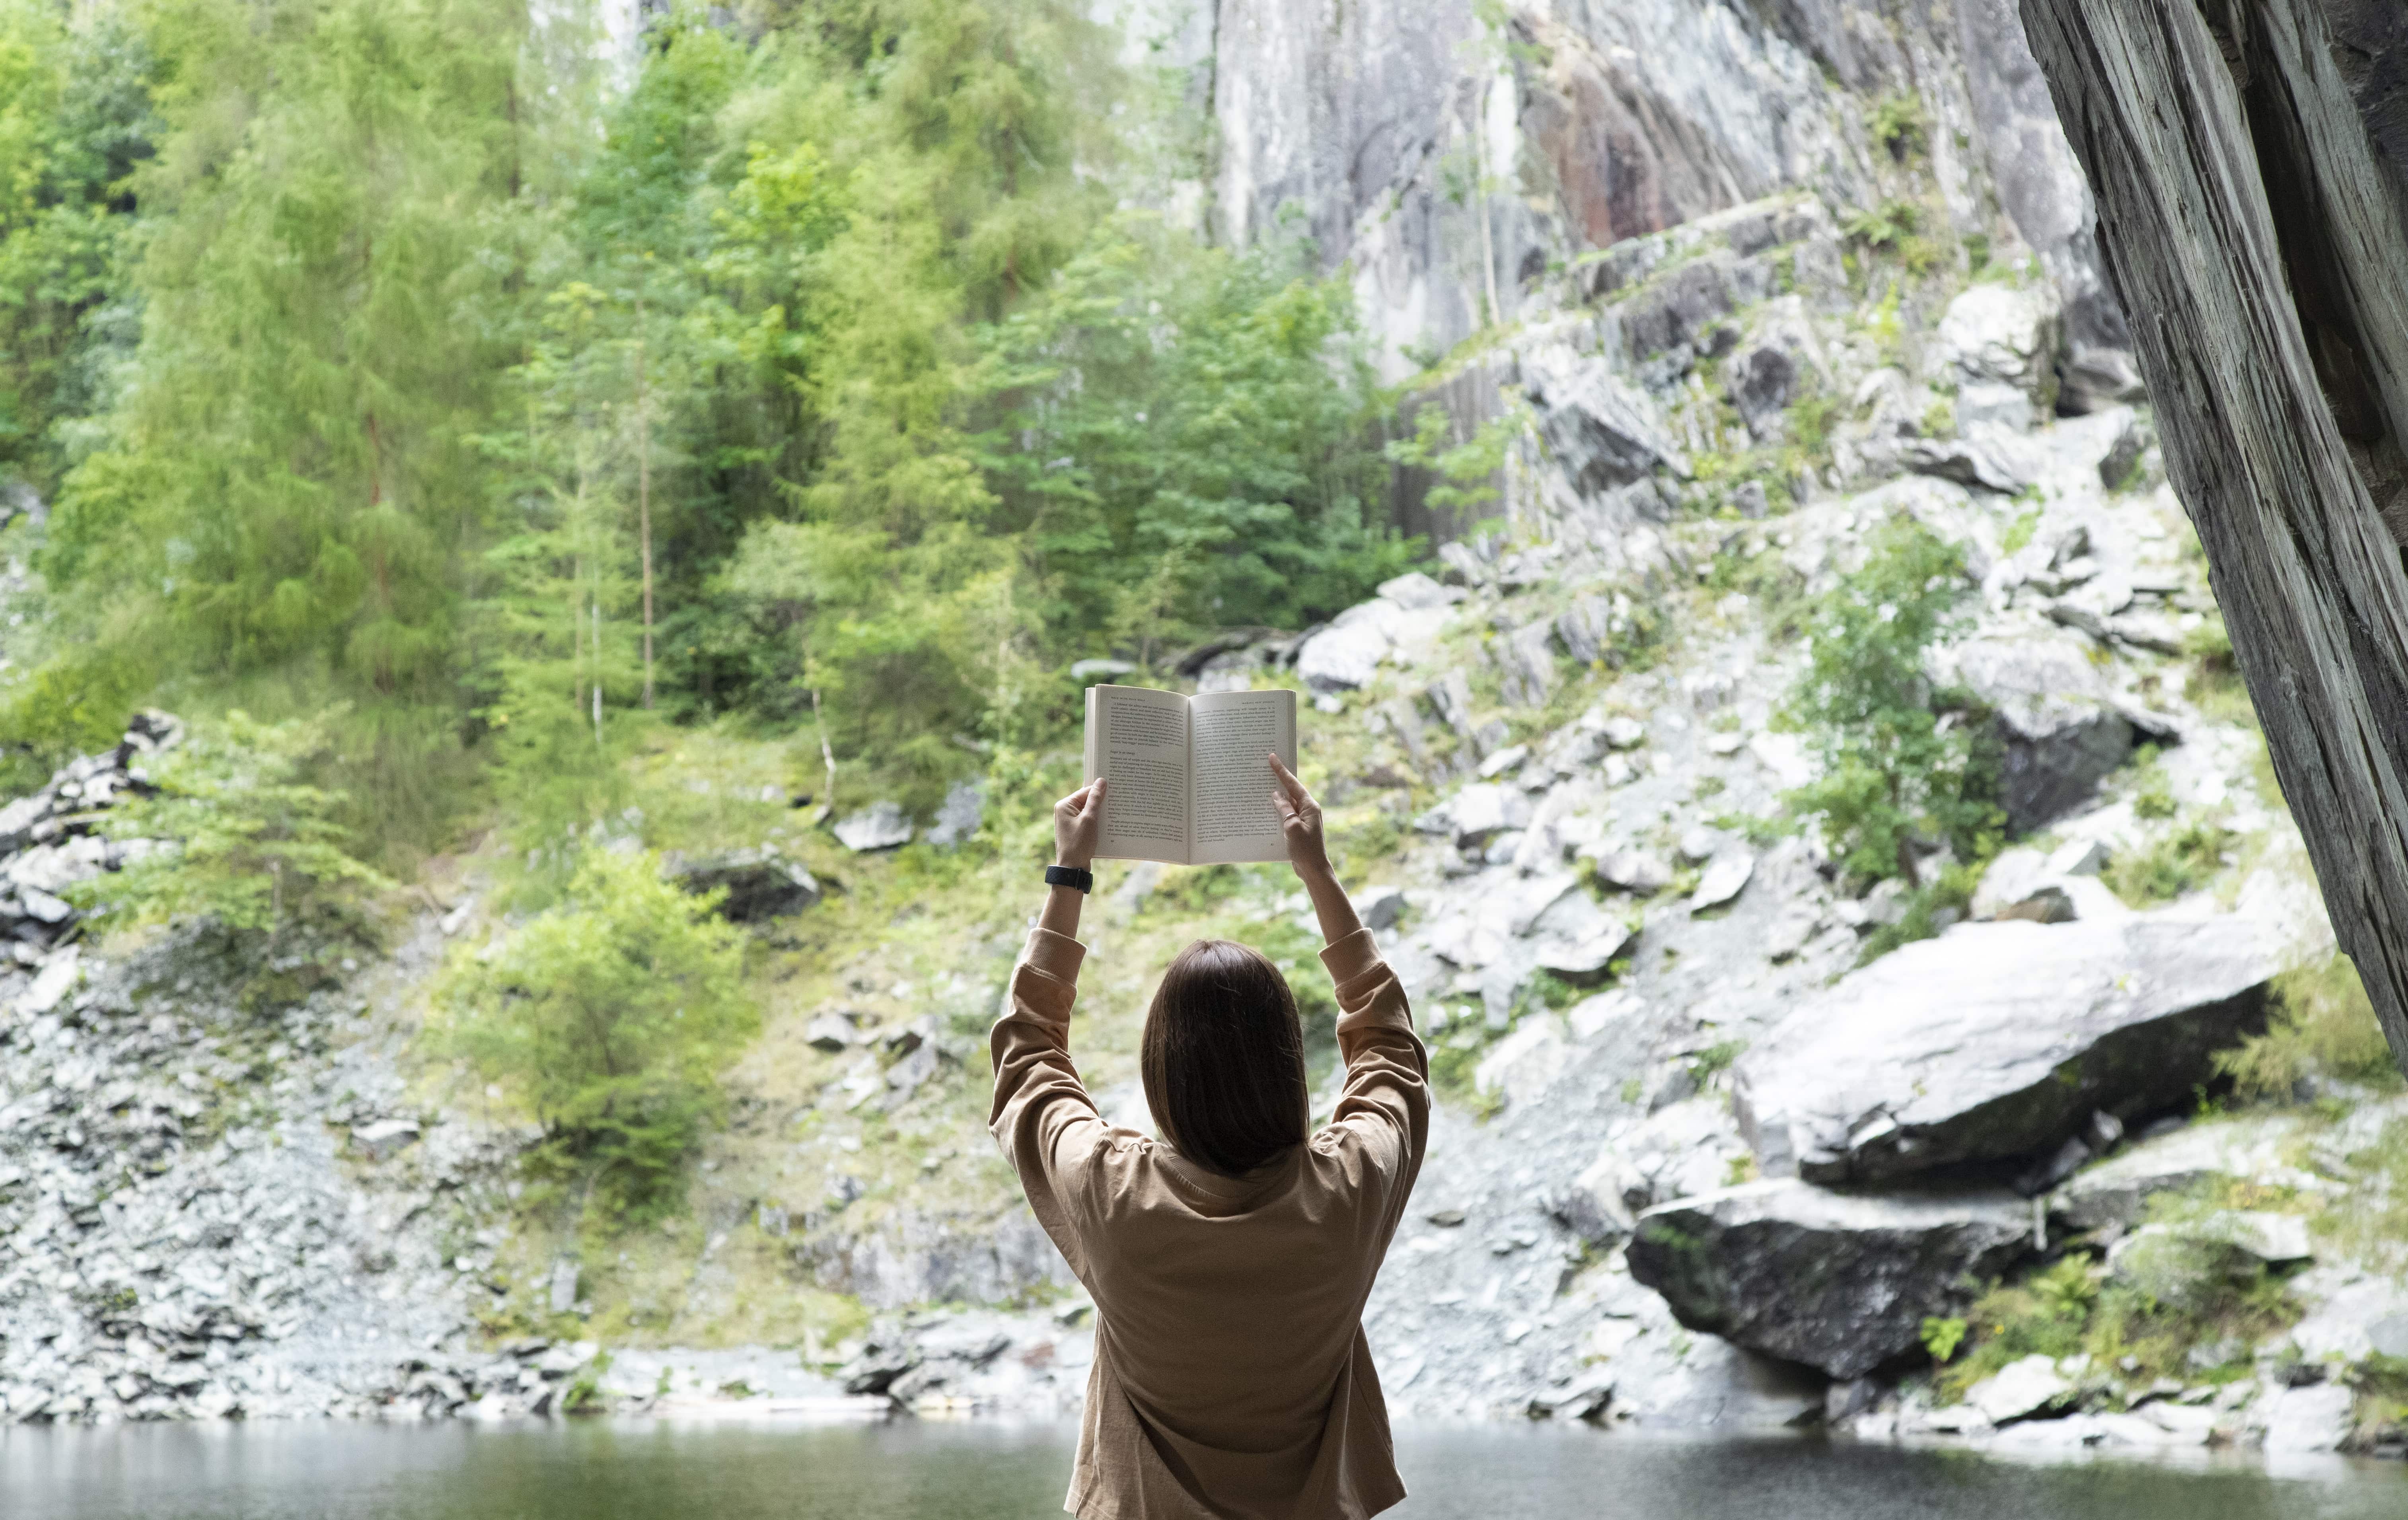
[[2250, 160]]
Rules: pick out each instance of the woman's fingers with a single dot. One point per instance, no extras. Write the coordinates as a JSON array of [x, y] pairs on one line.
[[1286, 778]]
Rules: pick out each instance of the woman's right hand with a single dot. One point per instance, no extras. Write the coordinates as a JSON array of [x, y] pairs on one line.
[[1078, 824], [1299, 821]]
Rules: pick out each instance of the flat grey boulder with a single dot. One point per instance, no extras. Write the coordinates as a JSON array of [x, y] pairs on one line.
[[761, 885], [882, 825], [1839, 1282], [1997, 1043]]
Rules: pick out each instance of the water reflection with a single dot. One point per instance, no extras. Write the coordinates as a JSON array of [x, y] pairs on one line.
[[986, 1470]]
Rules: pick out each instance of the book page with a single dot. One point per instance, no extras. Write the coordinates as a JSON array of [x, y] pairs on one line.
[[1231, 733], [1137, 740]]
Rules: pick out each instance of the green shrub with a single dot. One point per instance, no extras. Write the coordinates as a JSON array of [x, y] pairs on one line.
[[1900, 124], [1926, 906], [2205, 1296], [1893, 770], [612, 1014], [2321, 1024], [236, 834], [2174, 865]]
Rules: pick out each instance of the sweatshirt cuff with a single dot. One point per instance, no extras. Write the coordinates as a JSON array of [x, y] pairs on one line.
[[1057, 955], [1352, 960]]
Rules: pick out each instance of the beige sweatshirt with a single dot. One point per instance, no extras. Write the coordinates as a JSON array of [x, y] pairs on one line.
[[1231, 1379]]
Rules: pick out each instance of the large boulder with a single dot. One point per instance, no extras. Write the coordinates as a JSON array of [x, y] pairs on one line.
[[1997, 1042], [2004, 335], [882, 825], [2059, 733], [1399, 623], [1839, 1282], [761, 885]]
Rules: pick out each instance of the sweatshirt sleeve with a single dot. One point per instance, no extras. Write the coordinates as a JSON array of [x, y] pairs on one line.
[[1385, 1106], [1042, 1117]]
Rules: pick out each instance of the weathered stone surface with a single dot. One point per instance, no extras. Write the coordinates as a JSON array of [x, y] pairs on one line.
[[2116, 1192], [1997, 1042], [882, 825], [1603, 432], [760, 885], [959, 815], [2059, 734], [1839, 1282], [2006, 335], [2248, 161], [2020, 1390], [1380, 907]]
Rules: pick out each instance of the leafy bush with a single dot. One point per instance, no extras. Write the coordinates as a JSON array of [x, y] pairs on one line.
[[234, 833], [2321, 1024], [2180, 862], [2205, 1296], [1900, 124], [1898, 762], [612, 1013]]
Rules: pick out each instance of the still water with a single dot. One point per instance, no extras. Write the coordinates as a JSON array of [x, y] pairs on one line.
[[913, 1470]]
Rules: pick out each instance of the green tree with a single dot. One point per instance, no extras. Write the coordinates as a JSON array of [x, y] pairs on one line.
[[286, 491], [1899, 761], [75, 121], [1167, 406], [612, 1013], [236, 832]]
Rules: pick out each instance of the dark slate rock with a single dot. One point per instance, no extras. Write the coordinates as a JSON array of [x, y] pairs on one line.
[[1838, 1281], [761, 885]]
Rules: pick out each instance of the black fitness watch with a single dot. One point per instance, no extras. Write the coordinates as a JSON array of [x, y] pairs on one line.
[[1071, 876]]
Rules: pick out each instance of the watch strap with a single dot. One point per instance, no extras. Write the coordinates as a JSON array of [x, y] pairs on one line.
[[1071, 876]]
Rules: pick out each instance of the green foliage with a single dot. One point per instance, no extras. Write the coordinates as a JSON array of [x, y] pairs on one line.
[[1465, 470], [75, 120], [1162, 403], [1898, 760], [2321, 1024], [234, 833], [810, 378], [2174, 864], [1895, 228], [2020, 532], [612, 1014], [2152, 788], [1715, 1060], [1932, 907], [1900, 125], [1941, 1336], [2072, 1307]]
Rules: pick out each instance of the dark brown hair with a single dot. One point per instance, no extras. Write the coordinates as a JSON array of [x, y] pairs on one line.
[[1223, 1059]]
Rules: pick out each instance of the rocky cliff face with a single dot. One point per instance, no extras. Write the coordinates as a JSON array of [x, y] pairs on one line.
[[1455, 157]]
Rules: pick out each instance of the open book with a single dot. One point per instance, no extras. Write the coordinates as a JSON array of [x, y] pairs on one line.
[[1190, 783]]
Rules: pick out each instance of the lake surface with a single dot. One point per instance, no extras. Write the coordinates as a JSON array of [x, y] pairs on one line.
[[978, 1471]]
